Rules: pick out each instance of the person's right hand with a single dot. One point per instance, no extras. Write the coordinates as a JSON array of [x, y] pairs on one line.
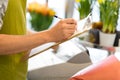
[[64, 29]]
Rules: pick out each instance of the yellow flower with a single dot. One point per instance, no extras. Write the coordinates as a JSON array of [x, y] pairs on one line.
[[41, 16], [77, 1], [33, 6], [51, 12], [101, 1], [40, 8], [43, 9]]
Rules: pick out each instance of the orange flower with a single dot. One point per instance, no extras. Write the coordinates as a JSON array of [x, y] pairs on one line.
[[33, 6], [44, 9], [40, 8]]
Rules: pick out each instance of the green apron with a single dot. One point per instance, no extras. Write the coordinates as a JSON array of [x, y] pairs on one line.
[[11, 66]]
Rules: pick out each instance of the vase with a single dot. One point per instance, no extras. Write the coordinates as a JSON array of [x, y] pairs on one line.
[[107, 39]]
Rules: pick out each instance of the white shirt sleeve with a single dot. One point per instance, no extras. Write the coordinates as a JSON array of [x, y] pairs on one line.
[[3, 7]]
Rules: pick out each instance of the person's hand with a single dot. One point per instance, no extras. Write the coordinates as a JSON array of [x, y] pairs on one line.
[[64, 29]]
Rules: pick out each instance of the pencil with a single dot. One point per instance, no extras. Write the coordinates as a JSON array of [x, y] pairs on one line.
[[57, 17]]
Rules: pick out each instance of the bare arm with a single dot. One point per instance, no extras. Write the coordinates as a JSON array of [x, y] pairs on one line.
[[10, 44], [14, 43]]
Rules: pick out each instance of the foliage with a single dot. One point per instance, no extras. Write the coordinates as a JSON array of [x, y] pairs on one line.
[[41, 16], [109, 12], [84, 7]]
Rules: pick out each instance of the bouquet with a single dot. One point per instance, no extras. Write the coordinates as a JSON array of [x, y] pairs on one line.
[[41, 16]]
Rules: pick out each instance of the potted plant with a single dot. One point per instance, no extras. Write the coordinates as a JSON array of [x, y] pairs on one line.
[[109, 12], [84, 7], [41, 16]]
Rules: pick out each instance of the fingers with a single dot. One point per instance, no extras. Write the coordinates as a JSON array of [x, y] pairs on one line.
[[70, 26], [64, 29], [68, 33], [69, 21]]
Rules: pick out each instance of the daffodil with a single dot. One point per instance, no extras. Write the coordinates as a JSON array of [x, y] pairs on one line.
[[101, 1], [109, 10], [77, 1], [84, 7]]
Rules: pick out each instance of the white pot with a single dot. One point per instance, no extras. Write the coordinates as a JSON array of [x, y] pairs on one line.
[[107, 39]]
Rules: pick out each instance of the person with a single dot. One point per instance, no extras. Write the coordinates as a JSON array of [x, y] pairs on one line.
[[15, 43]]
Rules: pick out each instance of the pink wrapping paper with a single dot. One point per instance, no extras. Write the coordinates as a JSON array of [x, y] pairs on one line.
[[107, 69]]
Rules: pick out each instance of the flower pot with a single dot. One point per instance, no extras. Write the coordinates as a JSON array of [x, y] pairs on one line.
[[107, 39]]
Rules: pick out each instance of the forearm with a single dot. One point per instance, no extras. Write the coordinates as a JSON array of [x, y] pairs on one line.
[[10, 44]]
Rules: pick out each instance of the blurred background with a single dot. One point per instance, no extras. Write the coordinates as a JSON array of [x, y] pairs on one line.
[[63, 63]]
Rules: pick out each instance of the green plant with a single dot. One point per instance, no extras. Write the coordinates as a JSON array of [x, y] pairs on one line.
[[84, 7], [109, 12], [41, 16]]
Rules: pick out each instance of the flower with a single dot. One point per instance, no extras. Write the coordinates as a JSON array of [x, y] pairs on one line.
[[109, 12], [41, 16], [84, 7], [101, 1]]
